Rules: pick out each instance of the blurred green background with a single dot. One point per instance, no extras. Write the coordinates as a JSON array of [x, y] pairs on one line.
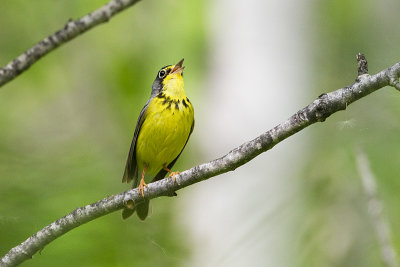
[[66, 126]]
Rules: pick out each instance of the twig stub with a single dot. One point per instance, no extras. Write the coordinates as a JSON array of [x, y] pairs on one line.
[[362, 64]]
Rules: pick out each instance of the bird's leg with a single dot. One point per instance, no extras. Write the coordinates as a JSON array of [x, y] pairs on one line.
[[142, 184], [171, 173]]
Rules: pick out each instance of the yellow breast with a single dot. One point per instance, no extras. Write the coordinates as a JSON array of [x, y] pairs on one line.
[[164, 132]]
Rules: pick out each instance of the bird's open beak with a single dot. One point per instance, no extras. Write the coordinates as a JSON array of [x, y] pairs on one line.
[[178, 67]]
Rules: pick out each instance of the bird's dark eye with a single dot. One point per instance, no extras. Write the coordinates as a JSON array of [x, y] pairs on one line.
[[161, 74]]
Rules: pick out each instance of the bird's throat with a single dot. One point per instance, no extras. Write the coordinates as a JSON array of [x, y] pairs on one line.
[[173, 86]]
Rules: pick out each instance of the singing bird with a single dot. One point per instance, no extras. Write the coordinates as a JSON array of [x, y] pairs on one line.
[[162, 131]]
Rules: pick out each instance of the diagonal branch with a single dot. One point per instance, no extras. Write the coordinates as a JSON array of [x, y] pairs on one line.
[[320, 109], [72, 29], [368, 179]]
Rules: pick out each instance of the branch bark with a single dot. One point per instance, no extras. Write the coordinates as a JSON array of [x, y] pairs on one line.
[[72, 29], [320, 109]]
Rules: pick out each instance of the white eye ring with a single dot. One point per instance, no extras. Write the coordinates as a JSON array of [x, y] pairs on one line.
[[161, 74]]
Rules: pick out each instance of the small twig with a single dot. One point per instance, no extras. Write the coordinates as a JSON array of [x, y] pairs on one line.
[[362, 64], [72, 29], [388, 253], [363, 71], [320, 109]]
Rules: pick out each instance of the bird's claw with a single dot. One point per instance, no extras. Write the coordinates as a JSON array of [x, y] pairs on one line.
[[141, 186]]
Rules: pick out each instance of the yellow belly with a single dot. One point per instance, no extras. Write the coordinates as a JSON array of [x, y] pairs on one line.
[[163, 135]]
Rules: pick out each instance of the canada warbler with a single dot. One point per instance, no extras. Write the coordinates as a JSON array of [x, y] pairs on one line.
[[162, 131]]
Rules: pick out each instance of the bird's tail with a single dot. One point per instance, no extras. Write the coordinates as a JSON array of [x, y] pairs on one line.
[[142, 210]]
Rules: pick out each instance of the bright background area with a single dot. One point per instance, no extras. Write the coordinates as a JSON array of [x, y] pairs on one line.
[[66, 126]]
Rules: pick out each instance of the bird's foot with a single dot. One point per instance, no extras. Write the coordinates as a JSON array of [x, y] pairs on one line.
[[141, 186], [171, 173]]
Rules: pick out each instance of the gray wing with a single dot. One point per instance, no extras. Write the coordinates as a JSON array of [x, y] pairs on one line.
[[161, 174], [131, 168]]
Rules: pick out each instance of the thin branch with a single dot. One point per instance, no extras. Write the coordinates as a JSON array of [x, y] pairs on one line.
[[320, 109], [389, 256], [72, 29]]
